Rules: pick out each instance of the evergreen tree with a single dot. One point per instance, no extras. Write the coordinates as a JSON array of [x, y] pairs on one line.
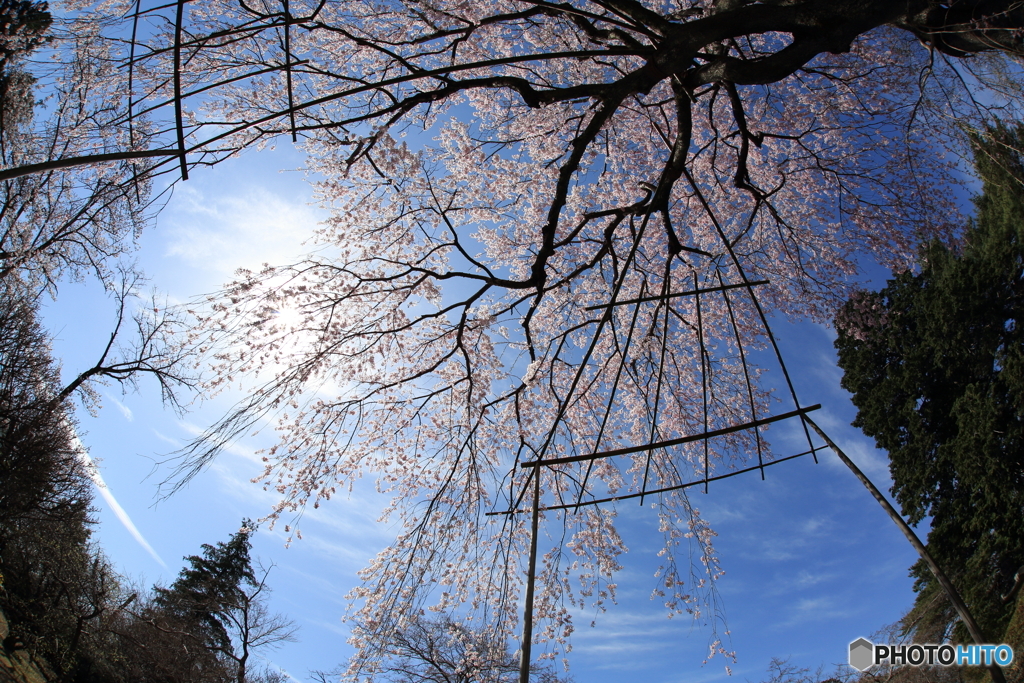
[[935, 362], [210, 587], [220, 600]]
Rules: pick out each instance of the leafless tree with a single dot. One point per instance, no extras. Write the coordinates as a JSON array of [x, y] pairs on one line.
[[253, 626], [153, 346], [444, 650]]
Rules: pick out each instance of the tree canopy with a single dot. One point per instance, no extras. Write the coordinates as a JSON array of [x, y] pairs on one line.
[[23, 28], [935, 361], [39, 454], [558, 231]]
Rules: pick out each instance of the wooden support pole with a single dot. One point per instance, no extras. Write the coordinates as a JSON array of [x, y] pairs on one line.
[[526, 644], [947, 585], [677, 487], [671, 442], [179, 123], [86, 160], [689, 292], [288, 68]]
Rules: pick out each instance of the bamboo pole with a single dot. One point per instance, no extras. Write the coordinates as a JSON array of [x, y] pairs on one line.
[[88, 159], [650, 492], [526, 643], [178, 122], [670, 442], [947, 586]]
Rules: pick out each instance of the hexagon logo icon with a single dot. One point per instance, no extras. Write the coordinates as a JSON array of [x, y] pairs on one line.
[[861, 654]]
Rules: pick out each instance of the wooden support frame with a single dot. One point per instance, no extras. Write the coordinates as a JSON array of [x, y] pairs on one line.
[[673, 295], [44, 166], [672, 442], [288, 68], [612, 499]]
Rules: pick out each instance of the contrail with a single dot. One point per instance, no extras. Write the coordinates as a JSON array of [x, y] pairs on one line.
[[97, 479]]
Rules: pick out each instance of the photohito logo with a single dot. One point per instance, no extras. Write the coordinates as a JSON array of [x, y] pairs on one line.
[[864, 654]]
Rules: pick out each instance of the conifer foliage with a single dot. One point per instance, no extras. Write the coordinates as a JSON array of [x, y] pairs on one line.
[[935, 362], [221, 601], [212, 584]]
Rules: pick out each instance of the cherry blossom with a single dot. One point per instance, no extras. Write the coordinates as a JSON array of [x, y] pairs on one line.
[[558, 230]]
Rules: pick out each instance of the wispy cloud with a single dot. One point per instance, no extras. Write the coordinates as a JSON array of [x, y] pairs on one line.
[[221, 234], [101, 486], [274, 667], [870, 460], [167, 439], [817, 609], [125, 410]]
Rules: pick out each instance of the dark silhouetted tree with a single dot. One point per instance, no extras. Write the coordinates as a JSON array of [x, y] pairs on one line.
[[220, 599], [39, 457], [935, 361], [23, 27]]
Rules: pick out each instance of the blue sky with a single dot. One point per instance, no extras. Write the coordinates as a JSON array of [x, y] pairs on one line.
[[811, 560]]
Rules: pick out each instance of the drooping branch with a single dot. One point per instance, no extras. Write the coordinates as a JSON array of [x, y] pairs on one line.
[[559, 229]]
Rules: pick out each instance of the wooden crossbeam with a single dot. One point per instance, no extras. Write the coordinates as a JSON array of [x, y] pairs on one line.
[[611, 499], [288, 67], [674, 295], [673, 442], [88, 159]]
